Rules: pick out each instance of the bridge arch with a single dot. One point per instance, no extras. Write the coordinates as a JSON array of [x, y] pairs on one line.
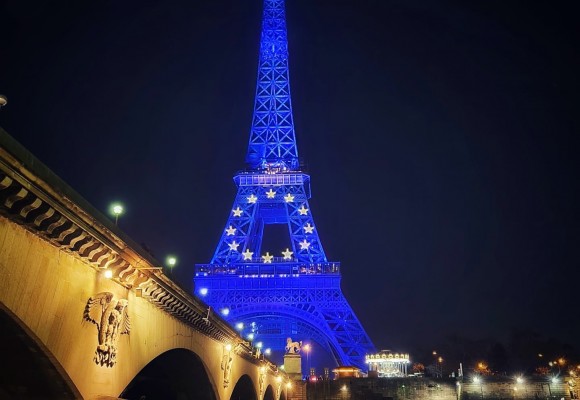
[[29, 369], [269, 393], [175, 374], [244, 389]]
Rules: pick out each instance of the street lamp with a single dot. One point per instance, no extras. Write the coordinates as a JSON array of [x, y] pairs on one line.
[[117, 209], [307, 349], [171, 261]]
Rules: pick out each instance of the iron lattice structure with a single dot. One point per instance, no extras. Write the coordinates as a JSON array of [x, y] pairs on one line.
[[296, 294]]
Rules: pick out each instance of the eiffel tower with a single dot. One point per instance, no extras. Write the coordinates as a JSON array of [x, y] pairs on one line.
[[295, 293]]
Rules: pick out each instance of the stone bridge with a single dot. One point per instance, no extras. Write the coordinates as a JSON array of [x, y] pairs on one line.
[[86, 313]]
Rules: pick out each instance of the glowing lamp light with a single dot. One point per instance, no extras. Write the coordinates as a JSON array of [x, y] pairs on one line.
[[476, 379], [282, 367], [278, 379], [250, 337], [263, 370], [268, 351], [225, 312], [554, 380], [171, 261], [344, 388], [240, 326], [519, 379], [117, 209], [228, 347], [259, 345], [203, 291], [108, 274], [289, 385]]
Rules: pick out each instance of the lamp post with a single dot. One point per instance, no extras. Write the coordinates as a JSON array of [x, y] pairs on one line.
[[171, 262], [307, 349], [117, 209]]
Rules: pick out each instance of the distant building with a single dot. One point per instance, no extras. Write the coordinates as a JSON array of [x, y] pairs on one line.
[[347, 372], [386, 364]]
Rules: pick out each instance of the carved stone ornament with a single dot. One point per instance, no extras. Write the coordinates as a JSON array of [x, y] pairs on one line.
[[227, 360], [110, 316]]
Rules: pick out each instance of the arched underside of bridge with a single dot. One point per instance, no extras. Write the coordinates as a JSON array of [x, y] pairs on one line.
[[27, 370], [175, 374], [269, 393], [244, 389]]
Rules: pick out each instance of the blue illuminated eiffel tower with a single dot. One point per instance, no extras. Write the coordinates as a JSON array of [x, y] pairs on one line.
[[295, 293]]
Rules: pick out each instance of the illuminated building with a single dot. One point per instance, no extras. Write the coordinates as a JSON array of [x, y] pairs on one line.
[[386, 364]]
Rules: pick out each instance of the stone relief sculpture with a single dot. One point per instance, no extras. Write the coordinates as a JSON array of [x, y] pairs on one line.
[[292, 347], [110, 316], [227, 360]]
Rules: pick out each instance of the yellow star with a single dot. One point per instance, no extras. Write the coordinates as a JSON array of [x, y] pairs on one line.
[[267, 258], [308, 228], [234, 246], [288, 198], [304, 245], [231, 231], [252, 199], [248, 254], [302, 210], [237, 212], [270, 194], [287, 254]]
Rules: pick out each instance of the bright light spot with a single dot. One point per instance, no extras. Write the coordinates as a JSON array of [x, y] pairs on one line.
[[519, 379], [278, 379], [203, 291], [228, 347], [476, 379], [554, 380], [117, 209], [307, 347], [267, 351], [251, 336], [240, 326], [259, 345], [108, 274], [171, 261], [289, 385], [344, 388], [226, 311], [263, 370], [282, 367]]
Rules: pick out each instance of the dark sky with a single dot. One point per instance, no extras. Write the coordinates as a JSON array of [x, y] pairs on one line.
[[441, 138]]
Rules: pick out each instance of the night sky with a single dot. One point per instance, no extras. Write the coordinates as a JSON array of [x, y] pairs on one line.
[[441, 139]]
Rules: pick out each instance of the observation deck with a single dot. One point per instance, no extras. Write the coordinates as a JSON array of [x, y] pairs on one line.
[[278, 268], [270, 177]]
